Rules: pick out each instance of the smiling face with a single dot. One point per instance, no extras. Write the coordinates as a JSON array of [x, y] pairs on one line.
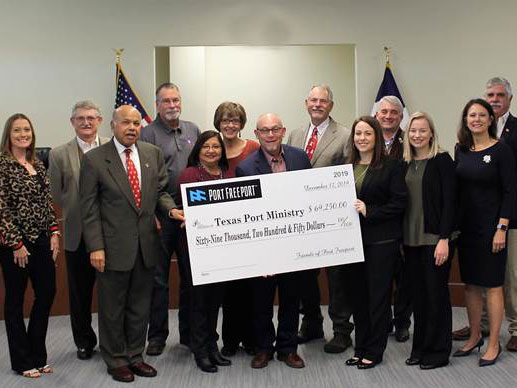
[[420, 135], [389, 116], [478, 119], [230, 126], [210, 153], [126, 125], [364, 138], [20, 135], [270, 132], [168, 105], [86, 123], [318, 105], [497, 96]]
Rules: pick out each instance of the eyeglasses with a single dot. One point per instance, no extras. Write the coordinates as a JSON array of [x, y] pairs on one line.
[[231, 121], [215, 147], [90, 119], [266, 131]]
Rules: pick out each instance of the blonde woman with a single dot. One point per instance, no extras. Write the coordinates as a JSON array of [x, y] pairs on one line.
[[429, 222]]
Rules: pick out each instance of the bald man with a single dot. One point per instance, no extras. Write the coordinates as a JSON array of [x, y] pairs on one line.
[[273, 157], [122, 184]]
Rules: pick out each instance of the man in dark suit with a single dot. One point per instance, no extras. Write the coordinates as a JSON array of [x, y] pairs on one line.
[[64, 164], [389, 115], [272, 157], [325, 142], [122, 184], [498, 93]]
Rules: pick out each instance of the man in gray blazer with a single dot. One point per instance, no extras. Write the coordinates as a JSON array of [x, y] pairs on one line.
[[64, 164], [123, 184], [326, 143]]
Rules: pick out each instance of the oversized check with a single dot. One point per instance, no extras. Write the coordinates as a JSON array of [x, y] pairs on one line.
[[274, 223]]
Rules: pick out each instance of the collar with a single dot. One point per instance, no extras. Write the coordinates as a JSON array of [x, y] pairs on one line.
[[122, 148], [84, 144], [167, 127], [504, 118], [321, 128], [270, 158]]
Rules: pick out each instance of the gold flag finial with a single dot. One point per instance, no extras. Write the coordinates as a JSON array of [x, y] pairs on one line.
[[387, 52], [118, 54]]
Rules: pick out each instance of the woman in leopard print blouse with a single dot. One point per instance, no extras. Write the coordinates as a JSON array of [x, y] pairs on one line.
[[29, 244]]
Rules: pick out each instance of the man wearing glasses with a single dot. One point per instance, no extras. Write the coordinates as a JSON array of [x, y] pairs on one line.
[[175, 138], [64, 166], [273, 157]]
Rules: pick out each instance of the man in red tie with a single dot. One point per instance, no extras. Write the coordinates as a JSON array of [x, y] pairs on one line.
[[122, 184], [325, 142]]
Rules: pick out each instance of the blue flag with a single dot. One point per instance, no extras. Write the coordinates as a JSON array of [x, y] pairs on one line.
[[126, 95]]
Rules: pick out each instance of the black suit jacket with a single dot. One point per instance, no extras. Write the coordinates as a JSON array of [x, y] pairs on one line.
[[439, 195], [509, 136], [384, 192], [111, 220], [256, 163]]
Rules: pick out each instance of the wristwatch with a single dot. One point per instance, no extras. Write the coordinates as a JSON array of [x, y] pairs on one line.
[[503, 227]]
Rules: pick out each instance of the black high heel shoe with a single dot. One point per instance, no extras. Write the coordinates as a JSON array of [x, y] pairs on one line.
[[363, 365], [485, 362], [353, 361], [216, 358], [464, 353]]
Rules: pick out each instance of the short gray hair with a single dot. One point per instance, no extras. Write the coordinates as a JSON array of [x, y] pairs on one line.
[[500, 81], [393, 100], [87, 105], [322, 86], [166, 85]]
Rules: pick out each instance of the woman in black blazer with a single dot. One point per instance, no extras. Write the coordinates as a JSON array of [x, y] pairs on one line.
[[381, 201], [429, 223]]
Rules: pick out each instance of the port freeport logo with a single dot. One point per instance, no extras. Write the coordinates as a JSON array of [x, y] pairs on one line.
[[224, 192]]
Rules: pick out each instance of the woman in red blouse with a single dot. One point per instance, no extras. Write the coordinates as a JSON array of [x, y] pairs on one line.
[[29, 245], [206, 162]]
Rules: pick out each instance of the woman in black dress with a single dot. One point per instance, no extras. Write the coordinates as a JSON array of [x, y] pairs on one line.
[[382, 194], [429, 222], [485, 169]]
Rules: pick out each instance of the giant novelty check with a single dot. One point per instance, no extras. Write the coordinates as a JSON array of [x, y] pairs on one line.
[[274, 223]]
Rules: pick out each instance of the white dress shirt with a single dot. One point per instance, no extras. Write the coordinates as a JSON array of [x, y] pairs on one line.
[[134, 157], [85, 147], [321, 130]]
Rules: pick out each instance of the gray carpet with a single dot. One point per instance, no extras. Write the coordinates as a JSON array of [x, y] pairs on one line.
[[176, 367]]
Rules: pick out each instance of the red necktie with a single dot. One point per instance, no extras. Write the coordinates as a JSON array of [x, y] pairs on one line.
[[313, 142], [133, 177]]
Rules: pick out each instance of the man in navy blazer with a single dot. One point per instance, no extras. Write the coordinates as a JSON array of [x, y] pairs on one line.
[[273, 157]]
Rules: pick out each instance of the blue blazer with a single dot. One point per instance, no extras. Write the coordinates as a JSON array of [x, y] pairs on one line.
[[256, 163]]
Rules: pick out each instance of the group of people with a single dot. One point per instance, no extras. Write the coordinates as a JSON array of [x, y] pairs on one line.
[[123, 222]]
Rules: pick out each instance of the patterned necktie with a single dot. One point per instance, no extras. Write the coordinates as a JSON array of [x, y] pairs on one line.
[[133, 177], [313, 142]]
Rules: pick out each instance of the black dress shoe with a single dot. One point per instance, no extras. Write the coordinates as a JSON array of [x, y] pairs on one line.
[[122, 374], [306, 335], [338, 344], [229, 351], [464, 353], [142, 369], [206, 365], [401, 334], [427, 366], [412, 361], [217, 359], [155, 348], [364, 365], [353, 361], [485, 362], [84, 353]]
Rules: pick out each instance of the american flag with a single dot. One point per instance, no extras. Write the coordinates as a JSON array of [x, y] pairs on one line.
[[126, 95]]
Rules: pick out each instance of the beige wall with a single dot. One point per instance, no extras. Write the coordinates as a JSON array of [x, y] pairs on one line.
[[58, 51]]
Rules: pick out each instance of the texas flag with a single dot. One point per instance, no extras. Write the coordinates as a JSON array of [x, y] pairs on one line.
[[126, 95], [389, 88]]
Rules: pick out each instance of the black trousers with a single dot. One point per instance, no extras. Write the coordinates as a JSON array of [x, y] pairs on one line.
[[27, 345], [288, 312], [237, 314], [402, 304], [310, 300], [371, 282], [159, 315], [205, 301], [81, 280], [124, 303], [432, 338]]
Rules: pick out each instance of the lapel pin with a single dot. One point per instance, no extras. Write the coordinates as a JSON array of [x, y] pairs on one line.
[[147, 165]]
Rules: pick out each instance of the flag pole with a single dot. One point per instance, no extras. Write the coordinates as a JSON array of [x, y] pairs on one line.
[[387, 53], [118, 54]]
